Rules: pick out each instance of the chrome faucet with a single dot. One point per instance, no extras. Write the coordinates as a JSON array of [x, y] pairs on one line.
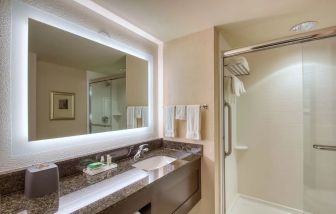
[[142, 149]]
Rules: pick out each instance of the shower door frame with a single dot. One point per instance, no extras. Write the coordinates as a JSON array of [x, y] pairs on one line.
[[287, 41]]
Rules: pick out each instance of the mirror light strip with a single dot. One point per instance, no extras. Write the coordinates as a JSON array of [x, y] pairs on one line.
[[117, 19]]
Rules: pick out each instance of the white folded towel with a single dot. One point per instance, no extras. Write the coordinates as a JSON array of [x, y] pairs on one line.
[[180, 112], [131, 121], [144, 112], [169, 121], [138, 112], [193, 122]]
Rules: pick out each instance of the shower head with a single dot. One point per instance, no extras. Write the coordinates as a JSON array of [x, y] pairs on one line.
[[237, 66]]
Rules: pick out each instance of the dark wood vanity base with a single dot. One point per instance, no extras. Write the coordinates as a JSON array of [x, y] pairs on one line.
[[177, 193]]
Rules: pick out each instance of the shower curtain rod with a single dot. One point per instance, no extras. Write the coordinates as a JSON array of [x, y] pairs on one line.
[[291, 40]]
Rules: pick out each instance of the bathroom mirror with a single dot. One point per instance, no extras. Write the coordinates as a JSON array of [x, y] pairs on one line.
[[77, 86]]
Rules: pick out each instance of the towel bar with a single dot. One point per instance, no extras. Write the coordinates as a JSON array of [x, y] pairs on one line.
[[324, 147], [204, 107]]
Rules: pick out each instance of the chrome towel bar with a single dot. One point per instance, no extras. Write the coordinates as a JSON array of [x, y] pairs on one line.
[[324, 147]]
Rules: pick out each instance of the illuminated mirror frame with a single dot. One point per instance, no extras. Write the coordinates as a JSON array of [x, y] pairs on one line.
[[21, 13]]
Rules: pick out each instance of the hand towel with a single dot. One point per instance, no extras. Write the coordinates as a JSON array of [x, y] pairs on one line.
[[193, 122], [137, 112], [169, 121], [144, 112], [131, 121], [180, 112]]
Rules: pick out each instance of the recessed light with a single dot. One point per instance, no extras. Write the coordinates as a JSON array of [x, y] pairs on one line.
[[304, 26]]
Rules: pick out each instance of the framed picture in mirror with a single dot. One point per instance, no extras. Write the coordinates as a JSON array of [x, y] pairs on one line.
[[62, 106]]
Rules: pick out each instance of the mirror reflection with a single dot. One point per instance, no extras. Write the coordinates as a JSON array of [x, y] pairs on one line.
[[77, 86]]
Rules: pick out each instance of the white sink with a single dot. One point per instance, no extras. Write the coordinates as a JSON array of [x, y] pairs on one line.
[[153, 163]]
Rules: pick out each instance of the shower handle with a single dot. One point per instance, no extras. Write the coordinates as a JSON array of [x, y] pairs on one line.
[[229, 151]]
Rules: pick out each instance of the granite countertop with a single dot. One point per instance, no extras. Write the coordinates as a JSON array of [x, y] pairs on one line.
[[73, 186]]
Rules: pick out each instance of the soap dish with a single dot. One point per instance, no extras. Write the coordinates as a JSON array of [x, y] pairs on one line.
[[100, 170]]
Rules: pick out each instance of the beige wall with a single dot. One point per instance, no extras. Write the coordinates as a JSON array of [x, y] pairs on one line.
[[52, 77], [189, 79], [269, 122], [136, 81]]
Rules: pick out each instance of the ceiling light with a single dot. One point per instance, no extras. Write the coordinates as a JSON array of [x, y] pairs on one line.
[[304, 26]]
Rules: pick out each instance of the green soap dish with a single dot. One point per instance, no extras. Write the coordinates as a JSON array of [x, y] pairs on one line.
[[95, 165]]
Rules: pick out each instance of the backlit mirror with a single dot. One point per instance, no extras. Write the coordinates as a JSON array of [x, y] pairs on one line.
[[77, 86]]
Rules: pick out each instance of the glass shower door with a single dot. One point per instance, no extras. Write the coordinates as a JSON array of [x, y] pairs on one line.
[[118, 104], [319, 107], [100, 106]]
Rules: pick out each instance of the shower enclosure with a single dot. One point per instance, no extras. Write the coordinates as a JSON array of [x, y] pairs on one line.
[[319, 110], [279, 148], [107, 104]]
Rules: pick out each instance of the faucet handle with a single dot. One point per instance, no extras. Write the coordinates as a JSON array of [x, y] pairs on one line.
[[143, 145], [130, 149]]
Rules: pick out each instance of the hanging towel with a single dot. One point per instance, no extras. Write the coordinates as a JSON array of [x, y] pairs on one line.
[[144, 111], [229, 95], [137, 112], [180, 112], [169, 121], [234, 87], [237, 86], [131, 121], [193, 122], [106, 106]]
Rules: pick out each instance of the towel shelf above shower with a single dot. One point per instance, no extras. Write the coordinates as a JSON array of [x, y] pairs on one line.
[[236, 66]]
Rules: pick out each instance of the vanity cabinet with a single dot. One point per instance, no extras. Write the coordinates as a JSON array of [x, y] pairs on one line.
[[175, 193]]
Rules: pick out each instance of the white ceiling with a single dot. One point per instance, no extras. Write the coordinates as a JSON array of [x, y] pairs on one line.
[[167, 20], [256, 31], [60, 47]]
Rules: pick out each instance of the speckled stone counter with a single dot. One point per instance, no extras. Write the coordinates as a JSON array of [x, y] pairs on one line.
[[18, 203]]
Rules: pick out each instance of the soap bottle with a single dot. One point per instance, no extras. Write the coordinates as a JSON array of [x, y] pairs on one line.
[[108, 160]]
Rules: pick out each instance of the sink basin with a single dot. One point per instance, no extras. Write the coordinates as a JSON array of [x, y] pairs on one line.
[[153, 163]]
